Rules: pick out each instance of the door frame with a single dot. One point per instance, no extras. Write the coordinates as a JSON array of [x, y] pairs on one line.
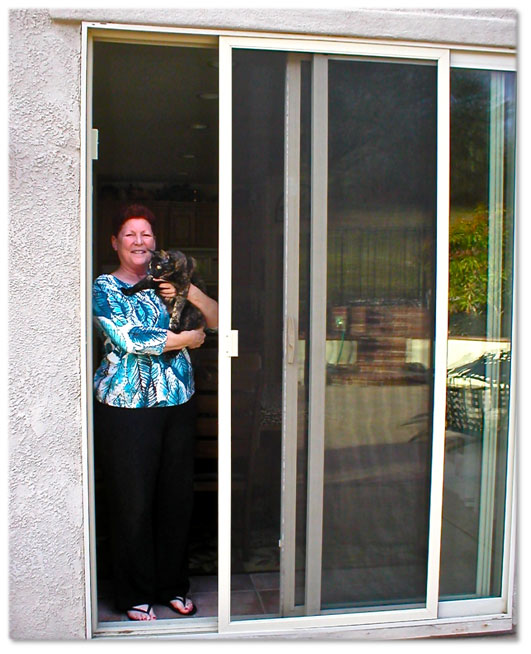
[[469, 616], [441, 58]]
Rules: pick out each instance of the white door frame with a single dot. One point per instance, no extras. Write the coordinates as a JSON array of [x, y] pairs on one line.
[[497, 611]]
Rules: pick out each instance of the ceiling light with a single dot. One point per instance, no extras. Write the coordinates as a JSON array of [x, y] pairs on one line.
[[188, 156], [208, 96], [199, 126]]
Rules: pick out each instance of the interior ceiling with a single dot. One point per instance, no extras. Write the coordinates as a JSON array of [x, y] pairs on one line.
[[146, 99]]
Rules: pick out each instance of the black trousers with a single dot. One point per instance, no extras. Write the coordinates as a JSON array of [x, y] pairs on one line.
[[147, 458]]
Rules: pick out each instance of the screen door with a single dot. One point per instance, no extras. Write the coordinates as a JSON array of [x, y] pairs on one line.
[[333, 261]]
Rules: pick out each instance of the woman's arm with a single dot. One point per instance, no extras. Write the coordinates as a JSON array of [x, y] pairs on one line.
[[207, 306], [190, 339]]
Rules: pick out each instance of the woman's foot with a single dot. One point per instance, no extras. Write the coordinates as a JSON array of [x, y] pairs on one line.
[[183, 605], [141, 612]]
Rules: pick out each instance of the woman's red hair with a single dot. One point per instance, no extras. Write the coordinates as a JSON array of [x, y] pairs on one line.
[[133, 211]]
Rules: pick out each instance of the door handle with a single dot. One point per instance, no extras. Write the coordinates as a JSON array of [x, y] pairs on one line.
[[291, 340]]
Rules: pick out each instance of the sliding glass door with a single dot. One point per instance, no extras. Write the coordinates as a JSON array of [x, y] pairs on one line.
[[333, 269], [365, 340]]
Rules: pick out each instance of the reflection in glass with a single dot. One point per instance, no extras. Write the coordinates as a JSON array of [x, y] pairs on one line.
[[480, 320], [380, 309]]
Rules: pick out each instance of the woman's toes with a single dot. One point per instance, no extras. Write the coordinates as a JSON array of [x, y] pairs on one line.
[[141, 612], [182, 607]]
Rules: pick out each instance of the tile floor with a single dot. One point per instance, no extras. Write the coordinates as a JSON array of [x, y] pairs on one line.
[[252, 594]]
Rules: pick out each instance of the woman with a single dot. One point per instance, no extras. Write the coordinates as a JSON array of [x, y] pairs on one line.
[[144, 419]]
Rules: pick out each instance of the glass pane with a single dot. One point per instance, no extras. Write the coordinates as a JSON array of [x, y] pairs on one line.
[[380, 311], [257, 313], [480, 322]]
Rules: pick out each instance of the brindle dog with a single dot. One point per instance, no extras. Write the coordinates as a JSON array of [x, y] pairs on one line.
[[179, 270]]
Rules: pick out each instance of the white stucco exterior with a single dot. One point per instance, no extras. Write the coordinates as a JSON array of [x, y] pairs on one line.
[[47, 523]]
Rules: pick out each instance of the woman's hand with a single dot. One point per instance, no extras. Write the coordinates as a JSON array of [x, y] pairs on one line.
[[166, 290], [191, 339], [196, 338]]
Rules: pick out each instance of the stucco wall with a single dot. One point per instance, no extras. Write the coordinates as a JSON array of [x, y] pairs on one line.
[[47, 576], [46, 518], [468, 26]]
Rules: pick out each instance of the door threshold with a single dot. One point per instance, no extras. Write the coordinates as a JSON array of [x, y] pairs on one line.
[[494, 625], [163, 627]]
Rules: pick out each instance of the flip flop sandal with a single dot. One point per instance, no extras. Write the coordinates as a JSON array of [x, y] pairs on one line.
[[139, 610], [178, 598]]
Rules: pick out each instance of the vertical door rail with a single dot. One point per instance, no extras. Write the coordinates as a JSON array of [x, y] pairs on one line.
[[317, 349], [224, 335], [291, 313], [441, 330]]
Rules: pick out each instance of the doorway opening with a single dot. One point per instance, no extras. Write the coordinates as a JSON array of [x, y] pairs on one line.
[[156, 111]]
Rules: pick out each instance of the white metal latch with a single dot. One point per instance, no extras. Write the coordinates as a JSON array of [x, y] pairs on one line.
[[231, 343]]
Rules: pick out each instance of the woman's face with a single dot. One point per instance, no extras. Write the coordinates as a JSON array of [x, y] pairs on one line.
[[134, 242]]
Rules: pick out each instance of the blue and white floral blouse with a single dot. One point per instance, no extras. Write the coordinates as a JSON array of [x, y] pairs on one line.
[[135, 372]]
